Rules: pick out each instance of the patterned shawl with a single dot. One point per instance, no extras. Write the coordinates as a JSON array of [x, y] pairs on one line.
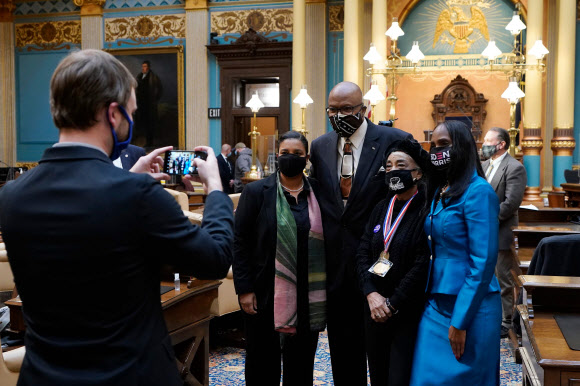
[[285, 294]]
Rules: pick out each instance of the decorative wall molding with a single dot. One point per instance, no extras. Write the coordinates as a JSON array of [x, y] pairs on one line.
[[80, 3], [6, 10], [49, 36], [45, 7], [264, 21], [336, 18], [150, 29], [125, 4]]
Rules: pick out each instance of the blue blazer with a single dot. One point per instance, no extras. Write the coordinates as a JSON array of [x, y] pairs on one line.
[[464, 243]]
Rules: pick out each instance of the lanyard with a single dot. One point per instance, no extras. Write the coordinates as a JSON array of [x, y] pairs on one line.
[[389, 232]]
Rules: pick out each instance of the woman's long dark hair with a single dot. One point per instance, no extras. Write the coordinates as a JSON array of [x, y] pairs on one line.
[[464, 161]]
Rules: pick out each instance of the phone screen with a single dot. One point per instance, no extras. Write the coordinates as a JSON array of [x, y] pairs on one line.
[[180, 162]]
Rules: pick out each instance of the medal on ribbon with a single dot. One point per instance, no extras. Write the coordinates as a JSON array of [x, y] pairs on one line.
[[382, 266]]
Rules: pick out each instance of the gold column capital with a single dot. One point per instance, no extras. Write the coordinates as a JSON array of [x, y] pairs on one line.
[[532, 147], [563, 143], [6, 9], [90, 7], [192, 5]]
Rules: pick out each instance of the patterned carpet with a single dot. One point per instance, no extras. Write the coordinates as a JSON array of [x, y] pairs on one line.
[[226, 366]]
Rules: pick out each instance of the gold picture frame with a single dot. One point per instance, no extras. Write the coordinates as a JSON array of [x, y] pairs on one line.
[[164, 114]]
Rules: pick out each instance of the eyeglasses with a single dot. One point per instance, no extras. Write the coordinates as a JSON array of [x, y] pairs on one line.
[[347, 110]]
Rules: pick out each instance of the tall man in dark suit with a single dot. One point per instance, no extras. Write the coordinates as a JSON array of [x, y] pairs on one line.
[[96, 235], [347, 165], [226, 169], [508, 178]]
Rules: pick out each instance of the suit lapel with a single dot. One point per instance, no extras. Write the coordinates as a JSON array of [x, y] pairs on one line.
[[330, 159], [363, 172], [499, 172], [270, 193]]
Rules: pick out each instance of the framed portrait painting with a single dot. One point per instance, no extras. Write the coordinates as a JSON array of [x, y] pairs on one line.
[[159, 119]]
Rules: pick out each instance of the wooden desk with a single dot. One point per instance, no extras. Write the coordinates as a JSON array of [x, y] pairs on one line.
[[546, 357], [187, 314], [546, 214], [530, 234]]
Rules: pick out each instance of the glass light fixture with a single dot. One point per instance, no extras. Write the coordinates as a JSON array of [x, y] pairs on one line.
[[303, 99], [491, 52], [515, 26], [395, 31], [374, 95], [539, 50], [373, 55], [513, 93], [255, 103], [415, 55]]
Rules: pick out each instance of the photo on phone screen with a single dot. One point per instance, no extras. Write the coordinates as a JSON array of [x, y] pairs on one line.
[[180, 162]]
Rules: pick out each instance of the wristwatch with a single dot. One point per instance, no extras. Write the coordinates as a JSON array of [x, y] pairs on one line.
[[395, 312]]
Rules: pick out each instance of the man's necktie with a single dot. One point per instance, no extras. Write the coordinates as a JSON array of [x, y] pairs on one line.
[[489, 169], [346, 170]]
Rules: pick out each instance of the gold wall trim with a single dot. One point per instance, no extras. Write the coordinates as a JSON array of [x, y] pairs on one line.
[[260, 20], [52, 35], [45, 15], [195, 4], [6, 11], [29, 165], [336, 18], [145, 29], [90, 7]]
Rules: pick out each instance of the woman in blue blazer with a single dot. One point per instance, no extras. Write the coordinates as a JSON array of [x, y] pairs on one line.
[[459, 334]]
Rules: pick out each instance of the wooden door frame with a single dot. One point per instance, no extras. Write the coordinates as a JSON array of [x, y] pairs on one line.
[[253, 56]]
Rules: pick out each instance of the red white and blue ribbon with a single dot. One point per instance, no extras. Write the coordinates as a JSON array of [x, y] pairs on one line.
[[389, 231]]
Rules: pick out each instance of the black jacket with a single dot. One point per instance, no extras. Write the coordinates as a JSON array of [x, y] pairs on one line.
[[226, 173], [405, 282], [345, 225], [131, 155], [86, 241], [255, 239]]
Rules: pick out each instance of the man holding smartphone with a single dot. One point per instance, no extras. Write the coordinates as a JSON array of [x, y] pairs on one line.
[[97, 235]]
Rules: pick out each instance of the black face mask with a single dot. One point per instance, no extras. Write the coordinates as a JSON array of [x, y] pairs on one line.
[[291, 164], [400, 181], [346, 125], [441, 157]]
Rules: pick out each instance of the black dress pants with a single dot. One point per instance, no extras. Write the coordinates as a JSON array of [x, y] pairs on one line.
[[345, 325], [390, 348], [263, 353]]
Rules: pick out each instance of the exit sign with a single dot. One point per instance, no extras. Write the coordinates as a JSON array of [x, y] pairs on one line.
[[214, 112]]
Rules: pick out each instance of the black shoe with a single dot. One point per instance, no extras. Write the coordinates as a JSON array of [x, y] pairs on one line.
[[504, 332]]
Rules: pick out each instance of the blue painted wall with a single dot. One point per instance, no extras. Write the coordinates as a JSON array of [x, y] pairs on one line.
[[335, 62], [34, 127], [577, 97], [215, 100]]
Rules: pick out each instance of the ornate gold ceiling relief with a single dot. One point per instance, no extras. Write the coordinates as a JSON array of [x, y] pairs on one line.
[[264, 21], [151, 29], [52, 35], [6, 9], [336, 18]]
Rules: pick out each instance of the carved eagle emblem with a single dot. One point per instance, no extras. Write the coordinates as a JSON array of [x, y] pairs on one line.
[[460, 27]]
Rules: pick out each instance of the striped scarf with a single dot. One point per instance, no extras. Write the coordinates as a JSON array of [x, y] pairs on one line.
[[285, 294]]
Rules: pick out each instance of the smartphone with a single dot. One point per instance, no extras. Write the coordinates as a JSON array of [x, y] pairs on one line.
[[180, 162]]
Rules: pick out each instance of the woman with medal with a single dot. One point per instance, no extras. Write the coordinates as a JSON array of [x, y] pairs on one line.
[[392, 262], [459, 334], [279, 269]]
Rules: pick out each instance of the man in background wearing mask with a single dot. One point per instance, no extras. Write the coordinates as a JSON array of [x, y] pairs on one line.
[[82, 227], [347, 164], [508, 178]]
